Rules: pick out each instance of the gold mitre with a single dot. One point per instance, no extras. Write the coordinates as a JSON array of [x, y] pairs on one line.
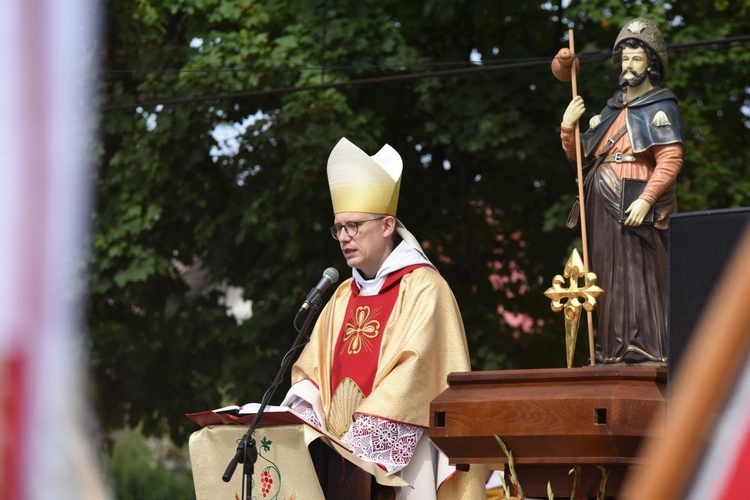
[[362, 183]]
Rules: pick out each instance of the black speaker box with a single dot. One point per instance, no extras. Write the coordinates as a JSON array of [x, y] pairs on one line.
[[700, 245]]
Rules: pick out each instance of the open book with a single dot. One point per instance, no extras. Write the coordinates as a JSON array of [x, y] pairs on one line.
[[249, 409], [245, 414]]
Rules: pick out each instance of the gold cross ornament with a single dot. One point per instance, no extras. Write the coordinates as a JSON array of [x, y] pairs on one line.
[[570, 300]]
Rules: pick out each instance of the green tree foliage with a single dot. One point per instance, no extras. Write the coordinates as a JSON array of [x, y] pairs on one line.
[[140, 468], [486, 185]]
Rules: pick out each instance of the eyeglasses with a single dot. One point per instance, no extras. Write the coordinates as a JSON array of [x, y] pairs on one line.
[[351, 228]]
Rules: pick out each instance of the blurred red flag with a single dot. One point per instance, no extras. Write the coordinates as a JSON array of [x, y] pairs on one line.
[[46, 137]]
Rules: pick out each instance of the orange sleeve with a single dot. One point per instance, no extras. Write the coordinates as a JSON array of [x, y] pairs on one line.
[[568, 138], [668, 163]]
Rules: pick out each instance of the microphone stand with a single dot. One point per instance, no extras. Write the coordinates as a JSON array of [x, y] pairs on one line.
[[247, 452]]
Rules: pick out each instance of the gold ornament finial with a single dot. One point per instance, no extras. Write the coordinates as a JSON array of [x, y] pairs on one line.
[[570, 300]]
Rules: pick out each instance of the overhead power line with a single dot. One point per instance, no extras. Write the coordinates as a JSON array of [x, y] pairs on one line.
[[587, 57]]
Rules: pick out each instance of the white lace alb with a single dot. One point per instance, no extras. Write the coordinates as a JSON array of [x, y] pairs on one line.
[[384, 442], [306, 412]]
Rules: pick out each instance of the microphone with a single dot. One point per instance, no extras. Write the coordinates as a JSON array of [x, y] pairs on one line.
[[330, 276]]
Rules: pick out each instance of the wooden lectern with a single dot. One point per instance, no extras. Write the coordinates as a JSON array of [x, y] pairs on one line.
[[551, 420]]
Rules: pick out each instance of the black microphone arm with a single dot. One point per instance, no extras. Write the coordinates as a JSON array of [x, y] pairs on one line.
[[247, 452]]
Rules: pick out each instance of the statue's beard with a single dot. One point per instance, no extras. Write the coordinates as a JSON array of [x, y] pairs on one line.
[[632, 81]]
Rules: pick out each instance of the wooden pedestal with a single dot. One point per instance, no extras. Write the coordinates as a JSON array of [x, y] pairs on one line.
[[551, 420]]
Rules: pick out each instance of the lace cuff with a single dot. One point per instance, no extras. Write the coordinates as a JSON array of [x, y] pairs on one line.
[[306, 412], [385, 442]]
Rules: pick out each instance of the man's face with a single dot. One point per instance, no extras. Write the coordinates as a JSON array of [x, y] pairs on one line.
[[367, 249], [634, 66]]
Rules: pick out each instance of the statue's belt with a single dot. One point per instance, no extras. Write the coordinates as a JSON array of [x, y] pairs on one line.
[[624, 158]]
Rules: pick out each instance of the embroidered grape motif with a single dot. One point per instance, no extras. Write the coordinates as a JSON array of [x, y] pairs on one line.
[[266, 482], [270, 473]]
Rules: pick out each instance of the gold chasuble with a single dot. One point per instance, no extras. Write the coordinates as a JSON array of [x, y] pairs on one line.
[[358, 349], [389, 356], [422, 341]]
